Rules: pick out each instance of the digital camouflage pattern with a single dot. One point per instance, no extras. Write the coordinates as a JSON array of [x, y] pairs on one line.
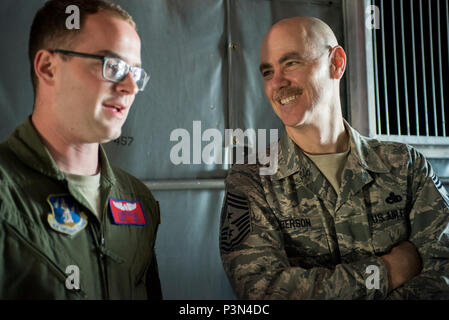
[[114, 261], [290, 236]]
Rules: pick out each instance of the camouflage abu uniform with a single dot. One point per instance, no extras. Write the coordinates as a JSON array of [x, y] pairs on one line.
[[289, 236]]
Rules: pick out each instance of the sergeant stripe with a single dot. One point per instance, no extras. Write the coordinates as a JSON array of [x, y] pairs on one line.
[[242, 229], [239, 224], [224, 231], [228, 245], [236, 196], [241, 220], [436, 181], [236, 201], [237, 240], [440, 187], [237, 206]]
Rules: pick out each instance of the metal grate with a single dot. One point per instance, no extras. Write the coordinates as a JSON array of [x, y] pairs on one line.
[[411, 68]]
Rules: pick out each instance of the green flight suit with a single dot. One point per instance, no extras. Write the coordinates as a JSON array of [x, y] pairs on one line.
[[291, 236], [115, 261]]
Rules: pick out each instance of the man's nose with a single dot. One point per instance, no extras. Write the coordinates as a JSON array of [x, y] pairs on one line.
[[127, 85], [279, 80]]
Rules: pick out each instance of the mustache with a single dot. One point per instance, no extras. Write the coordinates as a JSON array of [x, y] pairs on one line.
[[287, 92]]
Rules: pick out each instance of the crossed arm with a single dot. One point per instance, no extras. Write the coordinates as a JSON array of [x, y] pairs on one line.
[[258, 267]]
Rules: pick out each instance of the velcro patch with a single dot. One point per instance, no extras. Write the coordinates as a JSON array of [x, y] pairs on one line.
[[65, 216], [127, 212], [236, 225]]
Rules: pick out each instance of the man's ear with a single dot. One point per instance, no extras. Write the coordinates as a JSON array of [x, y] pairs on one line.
[[44, 66], [338, 62]]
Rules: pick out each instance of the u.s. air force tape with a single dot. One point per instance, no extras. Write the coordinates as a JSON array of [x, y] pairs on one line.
[[236, 225]]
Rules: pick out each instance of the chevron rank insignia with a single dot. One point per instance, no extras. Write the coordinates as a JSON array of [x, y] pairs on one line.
[[236, 224]]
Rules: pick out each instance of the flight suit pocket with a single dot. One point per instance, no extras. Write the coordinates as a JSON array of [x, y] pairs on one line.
[[139, 280], [140, 277], [40, 274], [389, 228]]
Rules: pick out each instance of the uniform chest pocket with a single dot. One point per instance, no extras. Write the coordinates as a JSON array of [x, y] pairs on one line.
[[389, 228], [304, 236]]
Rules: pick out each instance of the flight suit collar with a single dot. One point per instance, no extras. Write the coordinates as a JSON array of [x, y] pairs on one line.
[[292, 159], [27, 144]]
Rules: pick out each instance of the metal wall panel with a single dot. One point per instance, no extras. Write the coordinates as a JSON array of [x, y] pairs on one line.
[[182, 48], [16, 93], [187, 245]]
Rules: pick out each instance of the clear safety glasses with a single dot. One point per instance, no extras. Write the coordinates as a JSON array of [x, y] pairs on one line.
[[114, 69]]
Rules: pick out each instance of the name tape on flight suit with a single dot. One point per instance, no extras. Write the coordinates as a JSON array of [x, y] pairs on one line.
[[127, 212]]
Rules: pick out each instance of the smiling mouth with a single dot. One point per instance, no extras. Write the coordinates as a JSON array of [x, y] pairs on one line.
[[287, 95], [116, 108], [287, 100]]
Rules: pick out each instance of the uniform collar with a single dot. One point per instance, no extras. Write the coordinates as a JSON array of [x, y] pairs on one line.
[[291, 158], [362, 153], [27, 144]]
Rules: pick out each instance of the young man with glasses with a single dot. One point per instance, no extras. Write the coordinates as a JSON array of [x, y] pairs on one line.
[[71, 225]]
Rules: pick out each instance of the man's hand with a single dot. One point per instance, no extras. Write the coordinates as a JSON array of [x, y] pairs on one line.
[[403, 263]]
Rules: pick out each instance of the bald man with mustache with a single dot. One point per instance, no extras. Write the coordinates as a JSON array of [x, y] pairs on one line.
[[344, 216]]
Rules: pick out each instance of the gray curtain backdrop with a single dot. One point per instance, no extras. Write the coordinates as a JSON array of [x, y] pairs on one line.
[[203, 57]]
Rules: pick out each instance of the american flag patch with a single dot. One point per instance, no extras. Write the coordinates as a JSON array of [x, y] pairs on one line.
[[236, 224]]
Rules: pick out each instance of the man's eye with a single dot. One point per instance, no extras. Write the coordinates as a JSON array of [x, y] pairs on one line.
[[291, 63], [267, 73], [118, 68], [137, 74], [114, 67]]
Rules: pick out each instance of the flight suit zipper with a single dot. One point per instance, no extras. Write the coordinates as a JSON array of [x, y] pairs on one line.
[[103, 243], [103, 257], [99, 240], [98, 237], [104, 252]]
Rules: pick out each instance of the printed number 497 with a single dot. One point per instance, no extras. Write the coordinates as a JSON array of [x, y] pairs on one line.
[[124, 141]]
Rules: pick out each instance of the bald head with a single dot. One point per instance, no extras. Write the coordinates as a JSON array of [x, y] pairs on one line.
[[301, 64], [313, 34], [314, 28]]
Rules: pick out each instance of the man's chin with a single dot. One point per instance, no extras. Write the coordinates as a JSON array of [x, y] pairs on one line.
[[293, 123], [110, 136]]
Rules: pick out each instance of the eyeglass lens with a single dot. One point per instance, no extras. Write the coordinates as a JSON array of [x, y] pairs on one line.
[[116, 70]]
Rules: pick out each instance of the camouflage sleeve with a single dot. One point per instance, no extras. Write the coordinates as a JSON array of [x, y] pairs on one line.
[[256, 263], [429, 232]]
